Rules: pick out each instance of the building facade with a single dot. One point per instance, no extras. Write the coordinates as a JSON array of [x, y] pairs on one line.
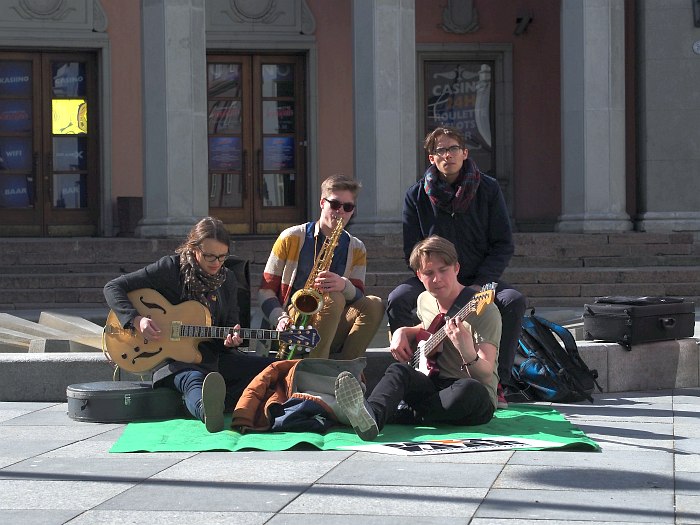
[[122, 117]]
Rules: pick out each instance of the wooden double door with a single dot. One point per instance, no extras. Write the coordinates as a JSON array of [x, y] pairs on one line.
[[49, 178], [257, 141]]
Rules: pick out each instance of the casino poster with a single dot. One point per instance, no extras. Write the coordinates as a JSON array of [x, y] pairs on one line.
[[459, 96], [15, 78]]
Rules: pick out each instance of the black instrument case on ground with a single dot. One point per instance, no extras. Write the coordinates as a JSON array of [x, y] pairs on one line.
[[123, 401], [633, 320]]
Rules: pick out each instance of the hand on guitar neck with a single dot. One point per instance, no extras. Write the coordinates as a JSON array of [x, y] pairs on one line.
[[150, 330]]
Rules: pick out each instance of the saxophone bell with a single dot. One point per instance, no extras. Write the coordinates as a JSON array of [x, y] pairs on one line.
[[307, 301]]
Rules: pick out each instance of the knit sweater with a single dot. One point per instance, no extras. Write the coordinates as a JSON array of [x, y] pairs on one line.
[[295, 244]]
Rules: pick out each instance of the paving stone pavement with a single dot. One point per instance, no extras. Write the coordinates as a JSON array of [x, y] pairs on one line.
[[55, 470]]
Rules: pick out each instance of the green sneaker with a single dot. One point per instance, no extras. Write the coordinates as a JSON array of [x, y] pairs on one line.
[[351, 400]]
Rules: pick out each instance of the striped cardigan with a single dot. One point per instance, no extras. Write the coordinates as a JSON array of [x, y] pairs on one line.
[[281, 268]]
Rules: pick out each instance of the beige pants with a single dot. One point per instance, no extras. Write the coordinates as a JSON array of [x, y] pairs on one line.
[[346, 330]]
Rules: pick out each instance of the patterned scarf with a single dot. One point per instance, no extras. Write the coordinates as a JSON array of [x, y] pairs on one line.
[[198, 284], [456, 197]]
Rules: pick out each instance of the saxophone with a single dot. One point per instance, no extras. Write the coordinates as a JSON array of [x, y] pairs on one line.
[[308, 301]]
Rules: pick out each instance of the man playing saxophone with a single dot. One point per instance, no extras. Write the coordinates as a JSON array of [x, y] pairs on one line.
[[347, 319]]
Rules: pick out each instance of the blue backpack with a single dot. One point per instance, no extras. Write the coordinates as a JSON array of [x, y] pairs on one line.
[[548, 366]]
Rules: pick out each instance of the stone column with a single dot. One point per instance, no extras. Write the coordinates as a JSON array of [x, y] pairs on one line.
[[593, 116], [385, 110], [174, 109], [669, 117]]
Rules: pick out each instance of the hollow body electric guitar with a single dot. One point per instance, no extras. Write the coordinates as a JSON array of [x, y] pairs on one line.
[[425, 356], [183, 327]]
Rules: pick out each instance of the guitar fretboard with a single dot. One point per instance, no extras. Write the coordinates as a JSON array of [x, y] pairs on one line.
[[220, 332], [482, 296]]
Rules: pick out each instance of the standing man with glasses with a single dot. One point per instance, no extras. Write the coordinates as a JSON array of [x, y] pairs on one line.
[[456, 201], [195, 273], [348, 319]]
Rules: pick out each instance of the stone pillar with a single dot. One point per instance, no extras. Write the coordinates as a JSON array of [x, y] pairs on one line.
[[174, 109], [593, 116], [669, 115], [385, 110]]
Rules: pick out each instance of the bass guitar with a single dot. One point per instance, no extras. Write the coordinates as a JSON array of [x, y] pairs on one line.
[[183, 327], [424, 358]]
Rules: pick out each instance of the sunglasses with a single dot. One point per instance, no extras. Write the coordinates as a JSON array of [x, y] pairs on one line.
[[336, 205]]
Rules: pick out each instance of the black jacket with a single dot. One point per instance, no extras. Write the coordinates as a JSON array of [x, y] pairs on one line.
[[482, 235], [164, 277]]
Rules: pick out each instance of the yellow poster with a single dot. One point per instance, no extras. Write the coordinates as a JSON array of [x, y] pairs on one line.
[[69, 116]]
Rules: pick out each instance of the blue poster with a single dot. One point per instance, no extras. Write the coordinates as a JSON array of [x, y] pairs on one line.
[[15, 153], [278, 153], [224, 153], [15, 116], [15, 191], [15, 78]]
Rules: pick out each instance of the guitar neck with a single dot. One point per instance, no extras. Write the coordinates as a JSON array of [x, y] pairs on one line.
[[221, 332], [438, 336]]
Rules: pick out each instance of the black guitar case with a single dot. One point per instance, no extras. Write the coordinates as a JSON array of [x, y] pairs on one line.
[[122, 402], [634, 320]]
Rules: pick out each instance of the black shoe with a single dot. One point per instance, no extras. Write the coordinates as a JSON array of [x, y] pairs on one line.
[[351, 400], [405, 415], [213, 395]]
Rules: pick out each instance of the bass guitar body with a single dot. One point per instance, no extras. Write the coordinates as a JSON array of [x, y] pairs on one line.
[[424, 359], [183, 327]]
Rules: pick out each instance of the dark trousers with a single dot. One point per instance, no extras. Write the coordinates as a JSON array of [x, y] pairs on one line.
[[237, 368], [401, 311], [461, 401]]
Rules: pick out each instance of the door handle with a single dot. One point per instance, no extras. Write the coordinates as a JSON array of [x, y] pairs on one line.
[[245, 173], [260, 173], [48, 175]]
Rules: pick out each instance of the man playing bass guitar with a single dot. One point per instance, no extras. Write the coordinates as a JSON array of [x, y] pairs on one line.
[[463, 391]]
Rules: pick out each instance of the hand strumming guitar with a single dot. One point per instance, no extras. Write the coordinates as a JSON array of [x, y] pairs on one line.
[[401, 340], [147, 326]]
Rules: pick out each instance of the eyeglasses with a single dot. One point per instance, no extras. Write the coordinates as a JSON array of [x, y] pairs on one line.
[[452, 150], [210, 257], [336, 205]]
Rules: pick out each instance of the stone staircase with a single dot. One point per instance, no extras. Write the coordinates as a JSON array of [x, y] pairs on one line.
[[551, 269]]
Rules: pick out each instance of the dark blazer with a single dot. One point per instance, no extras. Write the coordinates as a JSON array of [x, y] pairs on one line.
[[164, 277]]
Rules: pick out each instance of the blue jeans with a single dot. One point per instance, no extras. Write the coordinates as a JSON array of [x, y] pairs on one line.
[[189, 384], [238, 370]]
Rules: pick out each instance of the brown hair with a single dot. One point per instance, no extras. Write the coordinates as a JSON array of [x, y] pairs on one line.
[[432, 138], [340, 182], [207, 228], [432, 246]]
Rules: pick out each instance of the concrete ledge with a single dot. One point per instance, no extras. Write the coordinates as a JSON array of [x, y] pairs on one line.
[[44, 377], [651, 366]]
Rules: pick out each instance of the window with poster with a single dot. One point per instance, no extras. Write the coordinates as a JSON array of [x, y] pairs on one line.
[[461, 94]]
